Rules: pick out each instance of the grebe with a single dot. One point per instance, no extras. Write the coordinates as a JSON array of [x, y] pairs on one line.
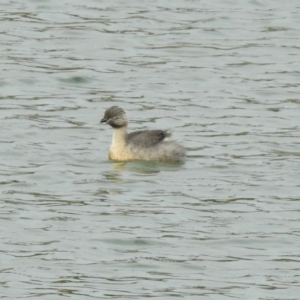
[[153, 145]]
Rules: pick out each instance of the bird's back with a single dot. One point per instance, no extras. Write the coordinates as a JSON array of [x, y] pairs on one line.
[[154, 145], [147, 138]]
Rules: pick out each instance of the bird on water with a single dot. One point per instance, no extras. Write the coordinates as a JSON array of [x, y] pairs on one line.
[[151, 145]]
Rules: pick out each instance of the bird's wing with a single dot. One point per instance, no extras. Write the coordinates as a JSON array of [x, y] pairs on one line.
[[147, 138]]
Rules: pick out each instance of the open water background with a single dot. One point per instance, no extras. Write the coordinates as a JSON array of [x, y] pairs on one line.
[[223, 76]]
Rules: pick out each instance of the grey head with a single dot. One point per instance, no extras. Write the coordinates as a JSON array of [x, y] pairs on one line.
[[115, 116]]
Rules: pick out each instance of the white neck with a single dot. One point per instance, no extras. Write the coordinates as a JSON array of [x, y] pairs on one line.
[[119, 137]]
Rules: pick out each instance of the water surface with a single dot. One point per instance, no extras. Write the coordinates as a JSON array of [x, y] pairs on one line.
[[223, 76]]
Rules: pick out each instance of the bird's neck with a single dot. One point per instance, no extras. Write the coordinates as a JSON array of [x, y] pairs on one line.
[[119, 137]]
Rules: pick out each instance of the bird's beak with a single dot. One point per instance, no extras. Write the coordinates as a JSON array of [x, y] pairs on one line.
[[103, 120]]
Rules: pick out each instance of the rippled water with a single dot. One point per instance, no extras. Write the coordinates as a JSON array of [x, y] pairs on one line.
[[224, 76]]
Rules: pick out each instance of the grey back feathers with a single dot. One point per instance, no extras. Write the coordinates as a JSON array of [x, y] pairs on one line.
[[147, 138]]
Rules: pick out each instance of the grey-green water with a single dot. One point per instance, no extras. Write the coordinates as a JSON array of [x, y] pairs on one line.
[[224, 76]]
